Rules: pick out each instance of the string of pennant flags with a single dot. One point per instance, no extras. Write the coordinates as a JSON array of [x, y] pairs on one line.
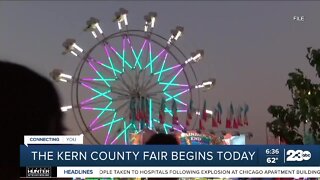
[[236, 117]]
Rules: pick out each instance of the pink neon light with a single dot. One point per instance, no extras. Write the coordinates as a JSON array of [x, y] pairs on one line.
[[94, 121], [87, 79], [96, 128], [87, 108], [93, 67], [106, 50]]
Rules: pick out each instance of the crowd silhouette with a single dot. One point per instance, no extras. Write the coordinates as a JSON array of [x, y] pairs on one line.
[[29, 105]]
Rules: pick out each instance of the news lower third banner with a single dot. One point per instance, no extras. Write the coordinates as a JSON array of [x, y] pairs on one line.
[[129, 161]]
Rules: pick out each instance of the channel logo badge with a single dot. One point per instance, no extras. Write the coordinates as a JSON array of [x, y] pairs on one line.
[[298, 155], [38, 172]]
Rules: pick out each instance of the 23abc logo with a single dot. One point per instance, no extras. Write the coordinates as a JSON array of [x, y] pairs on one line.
[[298, 155]]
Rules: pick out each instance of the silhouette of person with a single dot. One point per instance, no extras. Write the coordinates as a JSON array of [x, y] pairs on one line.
[[29, 105], [162, 139]]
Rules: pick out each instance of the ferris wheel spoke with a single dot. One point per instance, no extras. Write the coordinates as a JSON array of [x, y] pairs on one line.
[[97, 79], [91, 82], [123, 131], [96, 91], [97, 109], [175, 84], [120, 89], [167, 110], [137, 78], [150, 113], [116, 64], [120, 98], [150, 77], [162, 66], [116, 110], [152, 60], [114, 89], [105, 46], [168, 84], [124, 83], [173, 78], [114, 70], [176, 99], [93, 98], [99, 74], [137, 57], [167, 69], [101, 113], [121, 57], [144, 69], [168, 90], [143, 78], [106, 124], [178, 94], [119, 93], [130, 79], [110, 128], [170, 75]]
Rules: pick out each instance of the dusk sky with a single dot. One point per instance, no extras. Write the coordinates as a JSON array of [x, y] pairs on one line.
[[250, 47]]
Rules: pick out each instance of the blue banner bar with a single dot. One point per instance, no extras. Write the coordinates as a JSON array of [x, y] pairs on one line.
[[169, 155]]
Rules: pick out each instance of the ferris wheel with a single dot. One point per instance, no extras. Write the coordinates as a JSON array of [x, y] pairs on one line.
[[130, 81]]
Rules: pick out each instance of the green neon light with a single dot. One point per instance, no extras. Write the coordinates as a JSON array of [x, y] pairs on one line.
[[123, 59], [158, 121], [168, 111], [106, 82], [172, 84], [100, 109], [165, 129], [164, 125], [116, 120], [154, 59], [176, 99], [125, 133], [134, 126], [150, 113], [167, 125], [95, 97], [102, 94], [110, 128], [104, 110], [164, 61], [121, 133], [137, 58], [110, 61], [176, 95], [164, 70], [111, 68], [166, 87]]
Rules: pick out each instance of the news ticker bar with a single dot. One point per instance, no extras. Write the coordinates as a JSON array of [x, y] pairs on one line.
[[169, 155], [174, 172]]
